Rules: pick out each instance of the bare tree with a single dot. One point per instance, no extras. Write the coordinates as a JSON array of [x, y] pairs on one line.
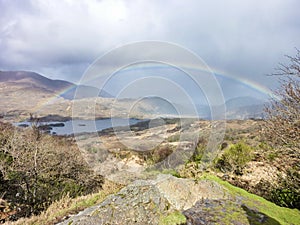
[[282, 129], [283, 114], [37, 169]]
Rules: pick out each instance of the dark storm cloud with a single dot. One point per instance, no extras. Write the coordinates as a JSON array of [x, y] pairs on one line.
[[61, 38]]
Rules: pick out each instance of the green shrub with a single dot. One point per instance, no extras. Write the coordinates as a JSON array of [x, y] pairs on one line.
[[286, 197], [235, 158], [198, 154], [287, 192]]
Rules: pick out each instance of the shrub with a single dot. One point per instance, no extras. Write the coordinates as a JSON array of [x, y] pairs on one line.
[[281, 131], [282, 124], [287, 192], [199, 152], [235, 158], [160, 153], [37, 169]]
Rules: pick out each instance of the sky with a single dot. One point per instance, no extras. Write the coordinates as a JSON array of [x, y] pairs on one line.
[[244, 40]]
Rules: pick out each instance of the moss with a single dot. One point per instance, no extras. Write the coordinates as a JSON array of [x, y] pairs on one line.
[[173, 218], [234, 214], [172, 172], [274, 212], [257, 218]]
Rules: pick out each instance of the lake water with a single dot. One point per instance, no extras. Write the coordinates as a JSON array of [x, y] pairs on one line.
[[83, 126]]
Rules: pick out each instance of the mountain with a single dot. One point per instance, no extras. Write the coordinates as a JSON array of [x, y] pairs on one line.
[[23, 91], [35, 81], [244, 108], [243, 102], [155, 105]]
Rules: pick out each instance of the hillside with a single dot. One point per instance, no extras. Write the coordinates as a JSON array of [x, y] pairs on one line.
[[24, 92], [61, 88], [140, 161]]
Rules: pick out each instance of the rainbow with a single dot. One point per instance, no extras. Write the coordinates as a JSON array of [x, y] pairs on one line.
[[218, 73], [144, 66]]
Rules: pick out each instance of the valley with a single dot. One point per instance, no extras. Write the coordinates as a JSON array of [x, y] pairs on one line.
[[129, 143], [49, 99], [149, 112]]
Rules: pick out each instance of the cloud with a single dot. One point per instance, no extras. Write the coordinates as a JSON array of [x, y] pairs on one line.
[[62, 38], [60, 33]]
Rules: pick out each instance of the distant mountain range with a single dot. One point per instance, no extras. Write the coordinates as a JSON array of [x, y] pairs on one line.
[[36, 81], [244, 108], [21, 91]]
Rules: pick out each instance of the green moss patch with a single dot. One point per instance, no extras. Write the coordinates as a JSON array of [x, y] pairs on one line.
[[256, 206], [174, 218]]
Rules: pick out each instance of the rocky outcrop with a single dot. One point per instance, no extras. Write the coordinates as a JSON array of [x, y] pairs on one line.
[[168, 200], [210, 212], [149, 201]]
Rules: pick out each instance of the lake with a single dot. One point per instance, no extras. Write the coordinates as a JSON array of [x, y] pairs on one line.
[[80, 126]]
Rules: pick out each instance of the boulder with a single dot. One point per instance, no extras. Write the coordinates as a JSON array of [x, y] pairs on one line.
[[149, 201]]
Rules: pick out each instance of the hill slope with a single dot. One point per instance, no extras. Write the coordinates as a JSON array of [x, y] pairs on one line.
[[33, 81]]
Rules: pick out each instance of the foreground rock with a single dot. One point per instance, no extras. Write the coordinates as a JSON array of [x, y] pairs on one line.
[[171, 200], [148, 202]]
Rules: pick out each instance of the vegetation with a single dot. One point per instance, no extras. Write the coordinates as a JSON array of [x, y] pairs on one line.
[[235, 158], [37, 170], [282, 129], [47, 176], [157, 154], [174, 218], [283, 115], [283, 216], [66, 205], [286, 193], [199, 151]]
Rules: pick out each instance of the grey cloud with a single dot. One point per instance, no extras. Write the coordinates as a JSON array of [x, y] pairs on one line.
[[243, 38]]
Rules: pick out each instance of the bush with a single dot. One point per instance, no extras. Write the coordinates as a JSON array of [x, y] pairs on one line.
[[287, 192], [37, 169], [199, 153], [160, 153], [235, 158], [281, 131], [282, 125]]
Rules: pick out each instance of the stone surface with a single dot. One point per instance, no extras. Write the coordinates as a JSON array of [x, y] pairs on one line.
[[159, 200], [147, 201]]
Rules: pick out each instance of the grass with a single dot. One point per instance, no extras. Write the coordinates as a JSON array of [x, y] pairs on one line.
[[173, 219], [66, 206], [172, 172], [284, 216]]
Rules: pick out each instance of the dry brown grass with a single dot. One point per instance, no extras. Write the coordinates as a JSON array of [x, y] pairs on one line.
[[62, 209]]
